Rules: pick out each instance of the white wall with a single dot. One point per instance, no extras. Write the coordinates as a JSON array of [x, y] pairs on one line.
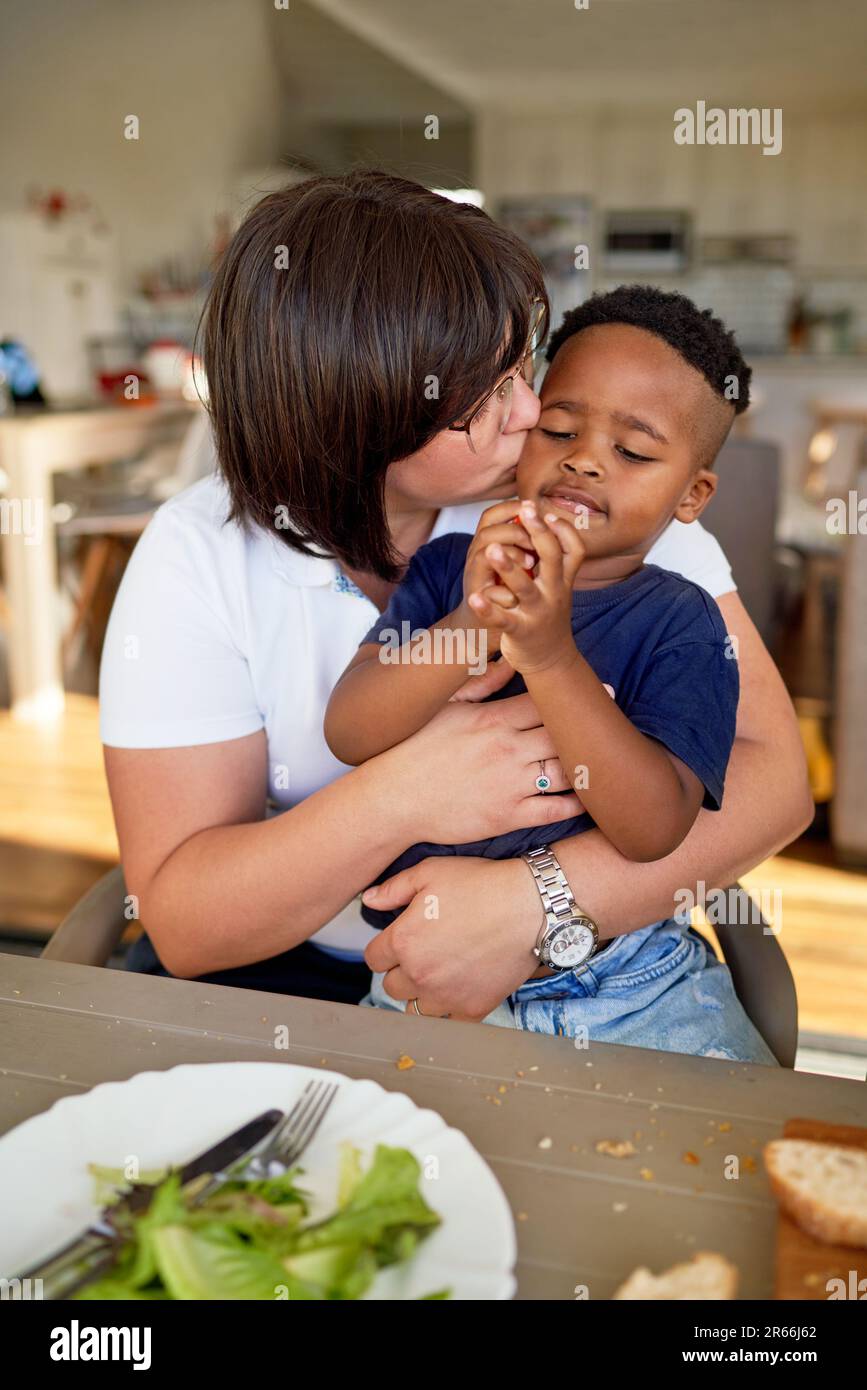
[[199, 74], [815, 188]]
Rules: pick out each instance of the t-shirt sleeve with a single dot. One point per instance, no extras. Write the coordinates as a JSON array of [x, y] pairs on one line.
[[429, 590], [173, 673], [692, 551], [688, 701]]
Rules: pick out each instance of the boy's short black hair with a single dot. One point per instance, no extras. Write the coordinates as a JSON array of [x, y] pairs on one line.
[[701, 339]]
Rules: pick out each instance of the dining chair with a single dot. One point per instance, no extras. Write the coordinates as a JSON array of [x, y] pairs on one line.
[[763, 982], [92, 929], [760, 972], [106, 512], [743, 517]]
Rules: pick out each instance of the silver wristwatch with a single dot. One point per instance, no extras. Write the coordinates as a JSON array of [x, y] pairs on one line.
[[568, 937]]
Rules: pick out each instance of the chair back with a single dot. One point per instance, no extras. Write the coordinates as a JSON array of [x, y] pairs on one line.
[[743, 517], [760, 972], [90, 932]]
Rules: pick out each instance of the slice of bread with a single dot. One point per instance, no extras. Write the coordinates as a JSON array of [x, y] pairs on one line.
[[823, 1187], [706, 1276]]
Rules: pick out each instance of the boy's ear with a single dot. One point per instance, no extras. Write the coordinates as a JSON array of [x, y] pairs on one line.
[[701, 490]]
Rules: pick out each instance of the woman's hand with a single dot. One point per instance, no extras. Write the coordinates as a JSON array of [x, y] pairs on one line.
[[470, 773], [476, 688], [465, 940]]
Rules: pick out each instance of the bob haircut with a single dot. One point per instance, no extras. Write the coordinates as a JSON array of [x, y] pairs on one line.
[[351, 319]]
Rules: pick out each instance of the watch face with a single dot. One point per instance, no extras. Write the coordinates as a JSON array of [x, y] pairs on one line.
[[571, 944]]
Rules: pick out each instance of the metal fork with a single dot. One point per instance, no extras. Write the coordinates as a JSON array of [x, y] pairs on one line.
[[277, 1153], [282, 1148]]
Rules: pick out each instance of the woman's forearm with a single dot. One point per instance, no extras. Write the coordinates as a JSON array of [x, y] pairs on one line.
[[765, 807], [233, 894]]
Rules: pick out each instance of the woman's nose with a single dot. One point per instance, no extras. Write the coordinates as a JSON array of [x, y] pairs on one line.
[[526, 407]]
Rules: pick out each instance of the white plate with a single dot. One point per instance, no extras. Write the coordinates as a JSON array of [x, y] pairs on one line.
[[167, 1117]]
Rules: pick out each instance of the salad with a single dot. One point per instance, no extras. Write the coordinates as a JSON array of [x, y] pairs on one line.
[[254, 1240]]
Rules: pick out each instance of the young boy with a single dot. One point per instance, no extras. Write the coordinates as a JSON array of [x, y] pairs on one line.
[[629, 666]]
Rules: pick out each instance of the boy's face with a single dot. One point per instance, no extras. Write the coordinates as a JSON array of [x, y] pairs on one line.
[[625, 424]]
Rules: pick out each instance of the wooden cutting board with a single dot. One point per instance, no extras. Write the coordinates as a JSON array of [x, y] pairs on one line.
[[805, 1265]]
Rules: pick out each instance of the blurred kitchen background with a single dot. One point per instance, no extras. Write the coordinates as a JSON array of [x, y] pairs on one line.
[[135, 136]]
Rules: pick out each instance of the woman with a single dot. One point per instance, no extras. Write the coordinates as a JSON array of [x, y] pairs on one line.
[[354, 328]]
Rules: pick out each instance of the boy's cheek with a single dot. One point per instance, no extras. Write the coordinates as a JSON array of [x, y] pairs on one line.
[[528, 462]]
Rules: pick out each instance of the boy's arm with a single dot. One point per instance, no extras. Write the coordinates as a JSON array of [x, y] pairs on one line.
[[383, 696], [767, 805], [643, 798], [378, 702]]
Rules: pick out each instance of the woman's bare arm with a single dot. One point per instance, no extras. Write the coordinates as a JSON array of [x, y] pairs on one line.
[[219, 886]]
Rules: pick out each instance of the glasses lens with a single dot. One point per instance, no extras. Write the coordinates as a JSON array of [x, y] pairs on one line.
[[532, 361], [491, 418]]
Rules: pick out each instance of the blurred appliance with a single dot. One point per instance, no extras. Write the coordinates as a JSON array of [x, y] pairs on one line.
[[560, 231], [763, 250], [645, 242], [56, 291]]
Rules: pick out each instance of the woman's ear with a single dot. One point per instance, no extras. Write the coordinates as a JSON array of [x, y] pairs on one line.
[[701, 489]]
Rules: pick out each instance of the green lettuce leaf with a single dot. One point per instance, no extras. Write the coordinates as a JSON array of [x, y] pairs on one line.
[[194, 1266], [385, 1211]]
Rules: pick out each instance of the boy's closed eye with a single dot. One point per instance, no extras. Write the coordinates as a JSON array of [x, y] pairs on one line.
[[629, 454]]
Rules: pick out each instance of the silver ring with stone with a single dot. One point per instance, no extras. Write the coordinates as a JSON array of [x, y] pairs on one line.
[[543, 781]]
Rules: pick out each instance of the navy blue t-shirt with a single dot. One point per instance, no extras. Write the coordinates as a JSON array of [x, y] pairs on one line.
[[657, 639]]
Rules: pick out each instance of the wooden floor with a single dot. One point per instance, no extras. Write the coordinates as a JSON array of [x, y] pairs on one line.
[[57, 836]]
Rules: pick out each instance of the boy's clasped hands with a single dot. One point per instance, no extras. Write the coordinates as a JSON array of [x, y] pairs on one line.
[[518, 581]]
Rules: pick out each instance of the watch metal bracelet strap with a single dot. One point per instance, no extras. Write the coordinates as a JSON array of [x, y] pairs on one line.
[[557, 897]]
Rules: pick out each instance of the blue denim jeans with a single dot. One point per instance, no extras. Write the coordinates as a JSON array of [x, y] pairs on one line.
[[659, 987]]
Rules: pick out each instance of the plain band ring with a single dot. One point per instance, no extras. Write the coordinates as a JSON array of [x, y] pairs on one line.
[[543, 781], [415, 1008]]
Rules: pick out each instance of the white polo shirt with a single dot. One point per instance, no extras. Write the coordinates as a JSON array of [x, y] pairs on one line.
[[217, 633]]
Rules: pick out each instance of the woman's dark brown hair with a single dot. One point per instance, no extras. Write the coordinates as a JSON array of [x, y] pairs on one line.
[[350, 320]]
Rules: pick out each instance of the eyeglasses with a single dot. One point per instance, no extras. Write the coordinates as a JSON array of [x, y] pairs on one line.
[[491, 416]]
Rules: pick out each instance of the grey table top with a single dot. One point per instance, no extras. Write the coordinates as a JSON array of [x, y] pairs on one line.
[[534, 1106]]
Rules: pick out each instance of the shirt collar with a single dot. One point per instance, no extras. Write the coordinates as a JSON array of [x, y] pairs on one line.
[[305, 571]]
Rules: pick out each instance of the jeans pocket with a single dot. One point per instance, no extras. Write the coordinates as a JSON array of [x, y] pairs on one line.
[[667, 949]]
